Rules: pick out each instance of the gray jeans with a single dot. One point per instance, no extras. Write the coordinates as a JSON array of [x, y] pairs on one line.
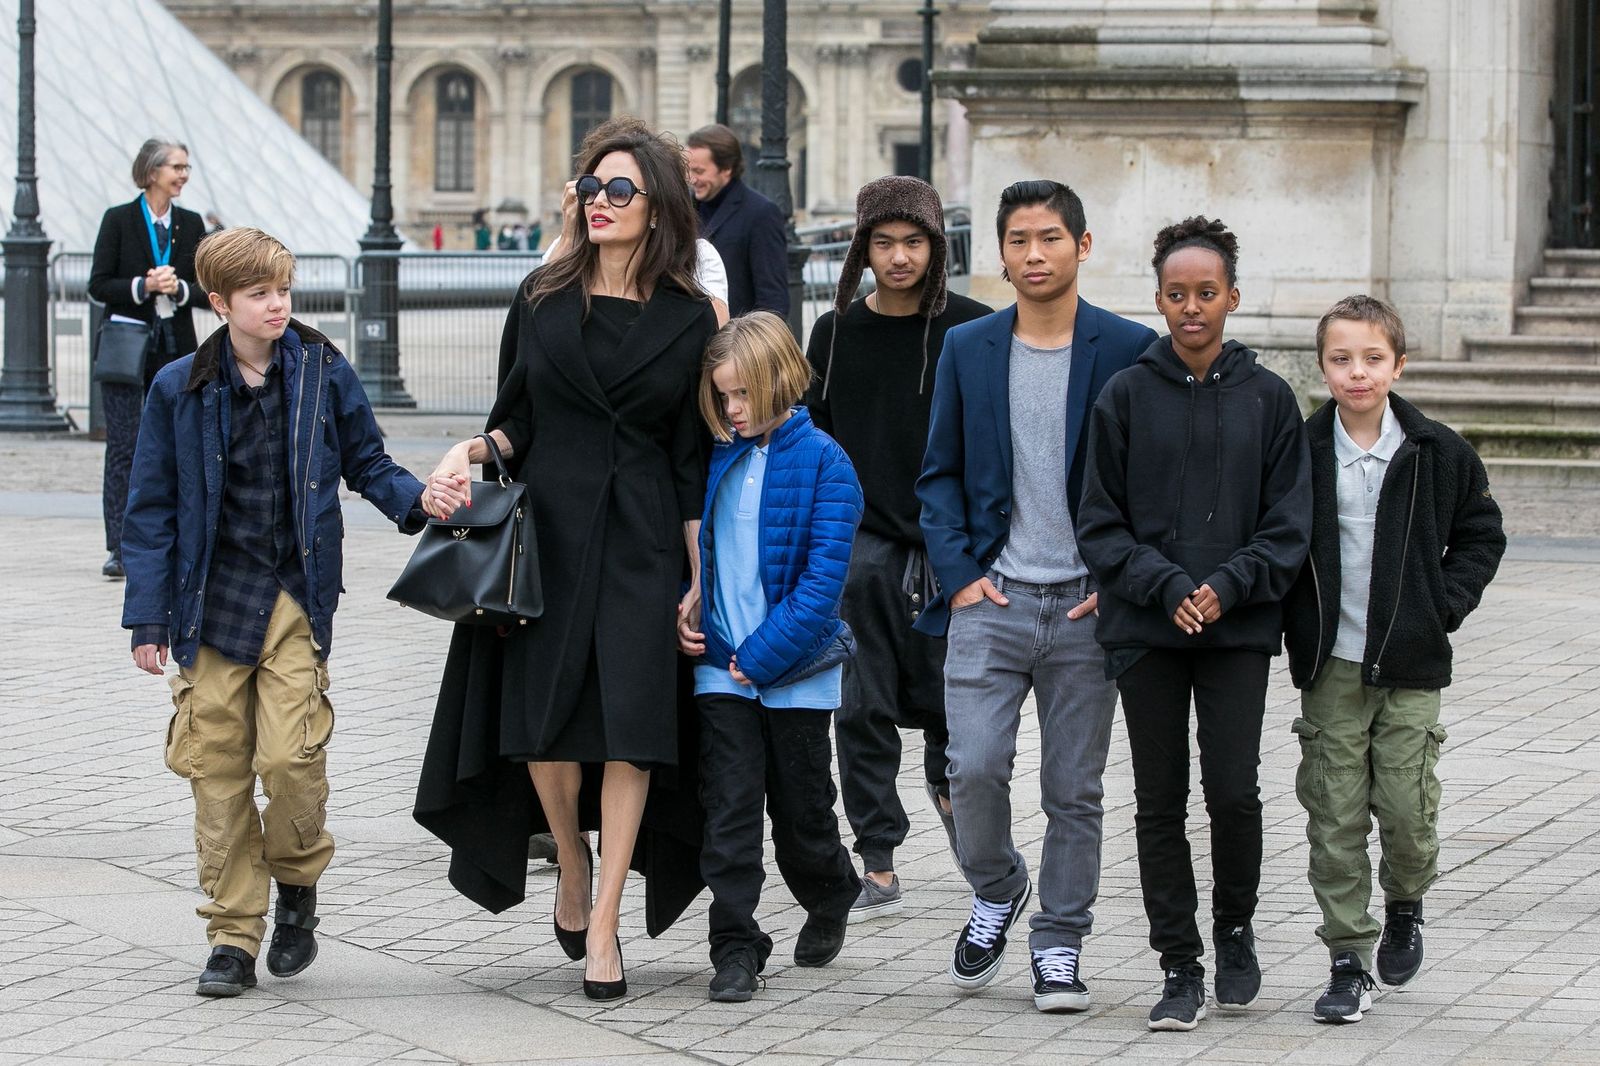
[[994, 656]]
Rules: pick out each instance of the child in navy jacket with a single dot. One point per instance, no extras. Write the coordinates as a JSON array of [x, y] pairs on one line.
[[782, 506]]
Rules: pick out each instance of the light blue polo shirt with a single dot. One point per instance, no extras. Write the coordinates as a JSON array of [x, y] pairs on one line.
[[738, 602]]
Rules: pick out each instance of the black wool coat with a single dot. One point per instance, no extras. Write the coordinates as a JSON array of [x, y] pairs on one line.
[[614, 466], [1436, 545], [122, 252]]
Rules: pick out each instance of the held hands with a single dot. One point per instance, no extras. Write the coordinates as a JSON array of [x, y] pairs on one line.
[[1201, 607], [691, 639], [450, 484], [976, 591], [150, 658]]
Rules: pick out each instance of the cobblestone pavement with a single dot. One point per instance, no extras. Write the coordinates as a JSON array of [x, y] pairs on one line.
[[99, 945]]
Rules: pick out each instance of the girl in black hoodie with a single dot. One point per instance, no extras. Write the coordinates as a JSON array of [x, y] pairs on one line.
[[1195, 519]]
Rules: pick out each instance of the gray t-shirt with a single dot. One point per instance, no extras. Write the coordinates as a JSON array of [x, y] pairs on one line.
[[1042, 547]]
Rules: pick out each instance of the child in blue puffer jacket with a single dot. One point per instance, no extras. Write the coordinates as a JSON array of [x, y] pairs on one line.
[[782, 505]]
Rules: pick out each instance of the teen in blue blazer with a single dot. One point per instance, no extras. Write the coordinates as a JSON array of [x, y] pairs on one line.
[[965, 487]]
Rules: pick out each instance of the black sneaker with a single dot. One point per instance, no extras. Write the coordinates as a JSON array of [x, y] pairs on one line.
[[819, 942], [1400, 949], [1056, 984], [294, 945], [1349, 992], [228, 972], [1237, 981], [982, 943], [1183, 999], [736, 980]]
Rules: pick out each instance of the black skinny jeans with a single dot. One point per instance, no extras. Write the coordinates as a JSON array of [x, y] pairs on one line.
[[1229, 688], [749, 754]]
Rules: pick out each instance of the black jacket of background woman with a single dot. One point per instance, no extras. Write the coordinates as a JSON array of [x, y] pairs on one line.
[[1437, 542], [122, 253]]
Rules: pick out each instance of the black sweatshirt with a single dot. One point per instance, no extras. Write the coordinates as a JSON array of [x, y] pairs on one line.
[[877, 401], [1191, 483], [1437, 542]]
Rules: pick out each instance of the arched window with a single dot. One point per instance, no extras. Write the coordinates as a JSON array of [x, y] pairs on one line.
[[591, 103], [745, 118], [454, 149], [321, 118]]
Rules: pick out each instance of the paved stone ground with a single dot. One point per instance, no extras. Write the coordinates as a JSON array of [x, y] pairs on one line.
[[99, 945]]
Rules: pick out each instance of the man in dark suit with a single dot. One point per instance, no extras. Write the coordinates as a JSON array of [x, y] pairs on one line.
[[1000, 483], [746, 228]]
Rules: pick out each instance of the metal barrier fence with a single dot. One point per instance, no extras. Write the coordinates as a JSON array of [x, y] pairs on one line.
[[452, 311]]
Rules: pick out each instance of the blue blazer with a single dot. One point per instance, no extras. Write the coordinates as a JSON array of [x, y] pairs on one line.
[[749, 233], [965, 487]]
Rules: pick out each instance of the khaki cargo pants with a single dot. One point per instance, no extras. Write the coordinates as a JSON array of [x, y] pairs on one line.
[[1367, 751], [232, 724]]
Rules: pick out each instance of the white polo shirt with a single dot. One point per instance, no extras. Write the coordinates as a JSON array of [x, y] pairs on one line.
[[1360, 484]]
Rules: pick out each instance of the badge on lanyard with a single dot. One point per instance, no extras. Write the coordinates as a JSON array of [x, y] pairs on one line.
[[165, 308]]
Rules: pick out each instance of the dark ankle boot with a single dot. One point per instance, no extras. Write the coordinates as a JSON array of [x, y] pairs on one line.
[[228, 972], [293, 943]]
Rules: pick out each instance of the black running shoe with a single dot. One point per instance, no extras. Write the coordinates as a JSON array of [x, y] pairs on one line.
[[1349, 993], [1056, 984], [1183, 999], [1400, 949], [1237, 981], [982, 944]]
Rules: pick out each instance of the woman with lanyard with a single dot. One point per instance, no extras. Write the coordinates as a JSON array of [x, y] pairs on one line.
[[144, 272]]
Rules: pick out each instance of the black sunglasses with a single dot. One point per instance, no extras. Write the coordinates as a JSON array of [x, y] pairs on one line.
[[619, 191]]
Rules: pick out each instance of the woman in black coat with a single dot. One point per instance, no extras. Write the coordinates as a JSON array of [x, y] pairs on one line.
[[599, 363], [144, 271]]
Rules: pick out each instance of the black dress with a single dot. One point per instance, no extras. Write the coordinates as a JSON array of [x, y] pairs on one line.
[[603, 419]]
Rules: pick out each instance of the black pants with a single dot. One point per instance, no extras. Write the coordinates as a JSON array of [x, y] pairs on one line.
[[122, 405], [1230, 692], [895, 681], [750, 753]]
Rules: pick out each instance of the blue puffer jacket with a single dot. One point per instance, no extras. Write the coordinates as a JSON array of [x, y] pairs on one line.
[[175, 497], [810, 506]]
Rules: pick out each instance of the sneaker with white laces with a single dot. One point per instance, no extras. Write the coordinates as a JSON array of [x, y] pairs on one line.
[[982, 944], [1056, 984], [876, 901], [1399, 955], [1349, 993]]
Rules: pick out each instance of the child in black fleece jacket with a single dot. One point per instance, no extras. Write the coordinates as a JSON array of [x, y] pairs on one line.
[[1195, 518]]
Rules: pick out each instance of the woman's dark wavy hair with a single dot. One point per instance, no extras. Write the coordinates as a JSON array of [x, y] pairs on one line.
[[1198, 231], [667, 252]]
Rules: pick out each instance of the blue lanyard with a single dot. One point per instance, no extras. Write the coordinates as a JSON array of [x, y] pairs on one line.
[[161, 258]]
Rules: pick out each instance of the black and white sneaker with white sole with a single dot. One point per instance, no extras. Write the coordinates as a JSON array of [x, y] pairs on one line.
[[1056, 984], [982, 944], [1348, 996]]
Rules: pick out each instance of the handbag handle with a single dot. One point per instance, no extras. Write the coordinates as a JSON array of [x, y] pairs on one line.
[[499, 460]]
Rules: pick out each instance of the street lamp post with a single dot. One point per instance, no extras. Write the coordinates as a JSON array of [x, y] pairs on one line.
[[378, 343], [772, 167], [27, 404], [925, 156], [724, 34]]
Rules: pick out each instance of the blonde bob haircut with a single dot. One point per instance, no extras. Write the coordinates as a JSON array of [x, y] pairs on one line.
[[769, 363], [234, 259]]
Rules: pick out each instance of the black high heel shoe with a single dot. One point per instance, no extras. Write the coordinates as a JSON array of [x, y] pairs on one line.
[[608, 990], [573, 941]]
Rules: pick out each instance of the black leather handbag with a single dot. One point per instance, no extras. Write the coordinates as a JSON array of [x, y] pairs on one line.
[[480, 565], [121, 352]]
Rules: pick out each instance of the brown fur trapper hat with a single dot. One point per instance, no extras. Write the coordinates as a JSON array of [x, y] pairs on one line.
[[897, 199]]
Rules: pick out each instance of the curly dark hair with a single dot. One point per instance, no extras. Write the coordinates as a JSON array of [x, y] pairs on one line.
[[1198, 231]]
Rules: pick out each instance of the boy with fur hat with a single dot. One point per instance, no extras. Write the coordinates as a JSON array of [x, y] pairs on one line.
[[874, 360]]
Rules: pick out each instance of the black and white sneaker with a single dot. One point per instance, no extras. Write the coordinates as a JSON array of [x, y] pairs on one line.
[[1237, 981], [1400, 948], [982, 944], [1183, 1000], [1349, 992], [1056, 984]]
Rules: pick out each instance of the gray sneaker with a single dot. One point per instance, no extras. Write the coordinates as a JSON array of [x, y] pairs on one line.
[[876, 901]]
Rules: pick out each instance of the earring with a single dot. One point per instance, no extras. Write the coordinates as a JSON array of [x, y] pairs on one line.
[[652, 225]]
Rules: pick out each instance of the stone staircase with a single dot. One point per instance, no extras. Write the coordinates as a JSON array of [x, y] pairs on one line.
[[1529, 402]]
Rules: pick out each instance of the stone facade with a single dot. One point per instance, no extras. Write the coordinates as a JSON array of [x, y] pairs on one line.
[[1398, 148], [541, 71]]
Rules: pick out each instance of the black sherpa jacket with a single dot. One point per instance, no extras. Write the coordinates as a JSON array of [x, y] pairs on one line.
[[1436, 546], [1189, 483]]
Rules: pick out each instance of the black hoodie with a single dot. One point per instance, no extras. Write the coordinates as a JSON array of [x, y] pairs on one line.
[[1191, 483]]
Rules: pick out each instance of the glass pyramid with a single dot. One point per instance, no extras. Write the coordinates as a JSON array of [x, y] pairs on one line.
[[109, 74]]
